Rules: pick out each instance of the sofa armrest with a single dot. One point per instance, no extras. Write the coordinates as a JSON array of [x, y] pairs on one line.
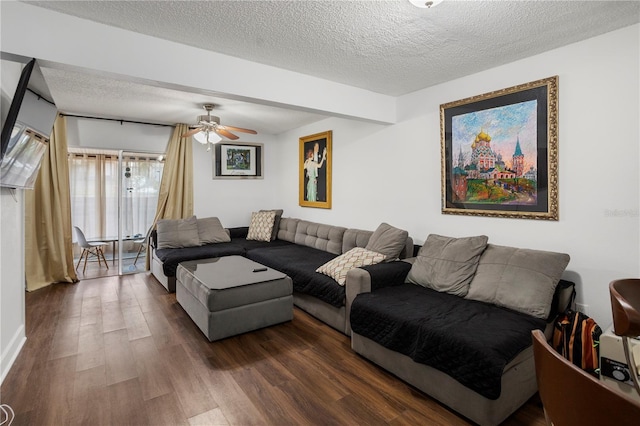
[[239, 232], [388, 274], [153, 238], [368, 278]]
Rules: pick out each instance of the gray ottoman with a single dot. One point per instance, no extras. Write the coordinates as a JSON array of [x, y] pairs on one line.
[[225, 297]]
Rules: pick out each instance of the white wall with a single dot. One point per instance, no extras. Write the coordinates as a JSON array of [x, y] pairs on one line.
[[233, 200], [392, 173], [12, 278]]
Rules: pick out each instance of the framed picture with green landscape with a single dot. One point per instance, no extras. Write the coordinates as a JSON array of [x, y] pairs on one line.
[[237, 161], [500, 153]]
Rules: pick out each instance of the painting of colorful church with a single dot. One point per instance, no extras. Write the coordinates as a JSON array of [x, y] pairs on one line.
[[480, 175]]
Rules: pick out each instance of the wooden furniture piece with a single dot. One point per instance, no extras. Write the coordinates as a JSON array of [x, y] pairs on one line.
[[93, 248], [625, 306], [231, 295], [571, 396]]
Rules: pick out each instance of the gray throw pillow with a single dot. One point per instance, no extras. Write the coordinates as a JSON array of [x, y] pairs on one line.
[[211, 231], [523, 280], [178, 233], [276, 222], [388, 240], [447, 264]]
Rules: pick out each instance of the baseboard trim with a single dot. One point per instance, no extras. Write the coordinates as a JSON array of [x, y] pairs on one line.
[[10, 354]]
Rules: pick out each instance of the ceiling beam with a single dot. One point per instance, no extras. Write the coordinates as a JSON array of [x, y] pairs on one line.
[[63, 41]]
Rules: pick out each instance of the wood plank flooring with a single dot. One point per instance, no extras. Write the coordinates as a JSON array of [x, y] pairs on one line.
[[120, 350]]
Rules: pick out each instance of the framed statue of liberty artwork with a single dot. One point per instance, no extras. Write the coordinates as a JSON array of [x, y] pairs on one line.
[[500, 153], [315, 170]]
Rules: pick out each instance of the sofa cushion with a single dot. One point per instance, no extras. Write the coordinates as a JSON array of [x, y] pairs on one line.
[[287, 229], [447, 264], [261, 225], [470, 341], [388, 240], [338, 267], [520, 279], [320, 236], [300, 263], [178, 233], [211, 231]]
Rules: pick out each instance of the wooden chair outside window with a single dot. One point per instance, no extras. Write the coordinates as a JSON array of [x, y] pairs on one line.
[[93, 249]]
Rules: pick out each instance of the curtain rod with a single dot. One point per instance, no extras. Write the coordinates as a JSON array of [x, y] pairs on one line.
[[116, 119], [41, 97]]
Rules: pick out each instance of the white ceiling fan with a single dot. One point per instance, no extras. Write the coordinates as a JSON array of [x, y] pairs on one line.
[[209, 129]]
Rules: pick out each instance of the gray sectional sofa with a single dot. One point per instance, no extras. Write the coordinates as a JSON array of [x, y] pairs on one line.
[[469, 349], [454, 320], [299, 248]]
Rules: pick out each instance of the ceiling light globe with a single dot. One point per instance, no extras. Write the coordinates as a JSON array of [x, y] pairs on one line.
[[207, 137], [425, 4]]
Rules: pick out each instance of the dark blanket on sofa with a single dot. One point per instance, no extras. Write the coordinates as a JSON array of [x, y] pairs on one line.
[[300, 263], [470, 341], [237, 246], [170, 257]]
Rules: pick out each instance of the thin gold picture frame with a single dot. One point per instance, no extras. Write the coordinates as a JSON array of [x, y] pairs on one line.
[[315, 152]]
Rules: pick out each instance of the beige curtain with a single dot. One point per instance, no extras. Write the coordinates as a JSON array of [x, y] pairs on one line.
[[175, 200], [48, 234]]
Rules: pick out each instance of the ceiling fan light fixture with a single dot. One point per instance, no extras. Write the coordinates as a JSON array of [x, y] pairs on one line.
[[207, 137], [425, 4]]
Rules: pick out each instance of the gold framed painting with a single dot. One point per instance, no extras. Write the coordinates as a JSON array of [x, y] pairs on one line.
[[315, 170], [500, 153]]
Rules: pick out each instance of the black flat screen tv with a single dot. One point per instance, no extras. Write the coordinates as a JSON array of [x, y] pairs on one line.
[[26, 131]]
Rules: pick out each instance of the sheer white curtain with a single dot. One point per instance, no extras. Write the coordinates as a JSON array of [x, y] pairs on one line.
[[93, 179], [141, 184]]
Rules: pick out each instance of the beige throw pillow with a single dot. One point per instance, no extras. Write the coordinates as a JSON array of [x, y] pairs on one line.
[[178, 233], [520, 279], [447, 264], [261, 226], [338, 267], [276, 222]]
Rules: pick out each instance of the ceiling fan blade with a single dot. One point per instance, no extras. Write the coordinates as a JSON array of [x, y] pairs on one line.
[[240, 129], [191, 132], [226, 133]]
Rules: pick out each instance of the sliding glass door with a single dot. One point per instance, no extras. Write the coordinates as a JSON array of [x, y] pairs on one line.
[[140, 176], [114, 196]]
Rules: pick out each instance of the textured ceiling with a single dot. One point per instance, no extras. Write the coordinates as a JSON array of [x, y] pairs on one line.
[[97, 96], [388, 47]]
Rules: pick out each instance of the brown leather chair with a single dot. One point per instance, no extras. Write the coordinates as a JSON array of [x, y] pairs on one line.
[[625, 305], [571, 396]]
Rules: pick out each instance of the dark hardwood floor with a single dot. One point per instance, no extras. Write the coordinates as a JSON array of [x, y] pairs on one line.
[[120, 350]]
